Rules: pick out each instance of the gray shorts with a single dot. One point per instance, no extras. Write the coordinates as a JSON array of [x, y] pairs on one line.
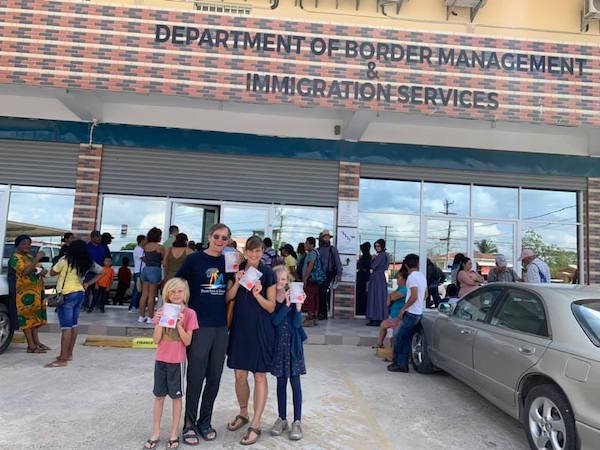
[[169, 379]]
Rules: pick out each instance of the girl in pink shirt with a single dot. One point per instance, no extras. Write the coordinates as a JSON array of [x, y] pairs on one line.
[[169, 368]]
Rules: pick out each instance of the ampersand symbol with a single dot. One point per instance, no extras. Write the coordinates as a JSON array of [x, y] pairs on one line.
[[371, 72]]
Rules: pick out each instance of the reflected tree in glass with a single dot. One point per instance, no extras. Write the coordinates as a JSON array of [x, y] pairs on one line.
[[556, 245]]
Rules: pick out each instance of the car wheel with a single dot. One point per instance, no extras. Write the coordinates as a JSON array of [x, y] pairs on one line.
[[420, 354], [548, 419], [6, 331]]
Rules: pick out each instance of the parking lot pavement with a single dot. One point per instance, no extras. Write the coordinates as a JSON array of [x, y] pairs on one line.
[[103, 401]]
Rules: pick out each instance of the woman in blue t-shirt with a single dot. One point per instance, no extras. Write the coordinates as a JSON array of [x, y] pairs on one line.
[[395, 302]]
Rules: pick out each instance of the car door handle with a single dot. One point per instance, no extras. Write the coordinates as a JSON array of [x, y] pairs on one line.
[[526, 350], [464, 331]]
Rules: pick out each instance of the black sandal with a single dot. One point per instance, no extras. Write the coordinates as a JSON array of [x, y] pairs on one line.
[[237, 423], [245, 440], [205, 432], [189, 433], [172, 442], [152, 443]]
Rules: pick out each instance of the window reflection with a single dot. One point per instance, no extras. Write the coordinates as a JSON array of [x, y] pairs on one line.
[[137, 213], [491, 239], [499, 202], [390, 196], [552, 206], [446, 199], [244, 222], [555, 244], [401, 233], [445, 238], [43, 213], [292, 225]]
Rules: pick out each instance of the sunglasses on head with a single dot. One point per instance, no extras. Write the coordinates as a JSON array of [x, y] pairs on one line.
[[219, 237]]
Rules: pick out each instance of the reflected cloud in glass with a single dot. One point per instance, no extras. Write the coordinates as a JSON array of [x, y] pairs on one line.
[[400, 231], [552, 206], [139, 214], [435, 196], [244, 222], [498, 202], [294, 224], [389, 196]]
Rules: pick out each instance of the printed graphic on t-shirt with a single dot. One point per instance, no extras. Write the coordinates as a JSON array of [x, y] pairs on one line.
[[216, 282]]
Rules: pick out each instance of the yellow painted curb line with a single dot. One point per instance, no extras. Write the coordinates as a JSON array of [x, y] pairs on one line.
[[119, 342], [18, 338]]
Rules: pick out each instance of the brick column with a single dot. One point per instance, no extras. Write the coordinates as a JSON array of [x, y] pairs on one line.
[[348, 187], [591, 227], [87, 187]]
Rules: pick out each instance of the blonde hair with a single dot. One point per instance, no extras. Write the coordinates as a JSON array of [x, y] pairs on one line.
[[282, 268], [173, 284]]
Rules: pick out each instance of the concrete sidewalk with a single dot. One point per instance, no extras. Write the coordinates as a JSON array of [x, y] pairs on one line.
[[117, 321], [103, 401]]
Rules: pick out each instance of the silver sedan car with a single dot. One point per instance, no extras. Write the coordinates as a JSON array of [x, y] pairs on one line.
[[532, 350]]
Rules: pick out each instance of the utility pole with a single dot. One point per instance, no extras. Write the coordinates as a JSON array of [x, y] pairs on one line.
[[447, 205], [385, 228]]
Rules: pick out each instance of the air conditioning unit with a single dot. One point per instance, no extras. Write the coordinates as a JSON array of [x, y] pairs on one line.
[[591, 9], [590, 13]]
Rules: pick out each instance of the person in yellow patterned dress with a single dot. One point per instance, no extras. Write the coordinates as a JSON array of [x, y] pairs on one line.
[[29, 284]]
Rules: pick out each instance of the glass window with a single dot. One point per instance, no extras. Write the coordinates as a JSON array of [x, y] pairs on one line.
[[498, 202], [445, 238], [292, 225], [244, 222], [477, 305], [138, 214], [490, 239], [556, 245], [446, 199], [587, 313], [551, 206], [194, 220], [400, 232], [390, 196], [522, 311], [43, 213]]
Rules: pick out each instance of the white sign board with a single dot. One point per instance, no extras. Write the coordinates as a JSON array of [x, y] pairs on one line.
[[348, 213], [349, 268], [347, 240]]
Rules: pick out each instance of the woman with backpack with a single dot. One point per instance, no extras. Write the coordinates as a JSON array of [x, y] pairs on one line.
[[312, 276], [377, 291]]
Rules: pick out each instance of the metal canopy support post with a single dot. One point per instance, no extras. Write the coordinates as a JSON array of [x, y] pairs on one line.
[[384, 3], [475, 9]]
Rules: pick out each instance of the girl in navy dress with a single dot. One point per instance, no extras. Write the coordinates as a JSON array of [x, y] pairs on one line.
[[251, 339], [288, 359]]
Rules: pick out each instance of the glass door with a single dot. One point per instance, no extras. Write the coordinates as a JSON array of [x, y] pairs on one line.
[[491, 238], [193, 219], [442, 239]]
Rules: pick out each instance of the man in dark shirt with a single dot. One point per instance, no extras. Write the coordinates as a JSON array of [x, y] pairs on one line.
[[205, 274], [332, 265], [98, 251]]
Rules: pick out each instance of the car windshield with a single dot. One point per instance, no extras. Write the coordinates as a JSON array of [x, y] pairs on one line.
[[587, 313]]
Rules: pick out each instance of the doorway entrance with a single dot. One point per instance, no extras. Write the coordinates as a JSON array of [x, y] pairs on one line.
[[193, 219], [480, 240]]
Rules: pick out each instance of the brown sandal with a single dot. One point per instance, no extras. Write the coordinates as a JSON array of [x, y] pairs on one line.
[[56, 363], [237, 423], [44, 347], [35, 350], [245, 440]]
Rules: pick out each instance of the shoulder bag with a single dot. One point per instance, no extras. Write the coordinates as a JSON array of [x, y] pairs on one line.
[[58, 298]]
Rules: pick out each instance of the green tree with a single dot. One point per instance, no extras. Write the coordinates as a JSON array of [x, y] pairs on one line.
[[486, 246], [556, 257], [129, 246]]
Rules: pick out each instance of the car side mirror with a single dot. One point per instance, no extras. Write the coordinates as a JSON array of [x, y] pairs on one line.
[[45, 259], [446, 308]]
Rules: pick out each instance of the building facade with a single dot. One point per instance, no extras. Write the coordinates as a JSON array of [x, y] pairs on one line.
[[442, 129]]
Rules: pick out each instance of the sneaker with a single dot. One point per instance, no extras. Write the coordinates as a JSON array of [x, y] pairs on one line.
[[141, 319], [279, 427], [296, 433], [148, 320]]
